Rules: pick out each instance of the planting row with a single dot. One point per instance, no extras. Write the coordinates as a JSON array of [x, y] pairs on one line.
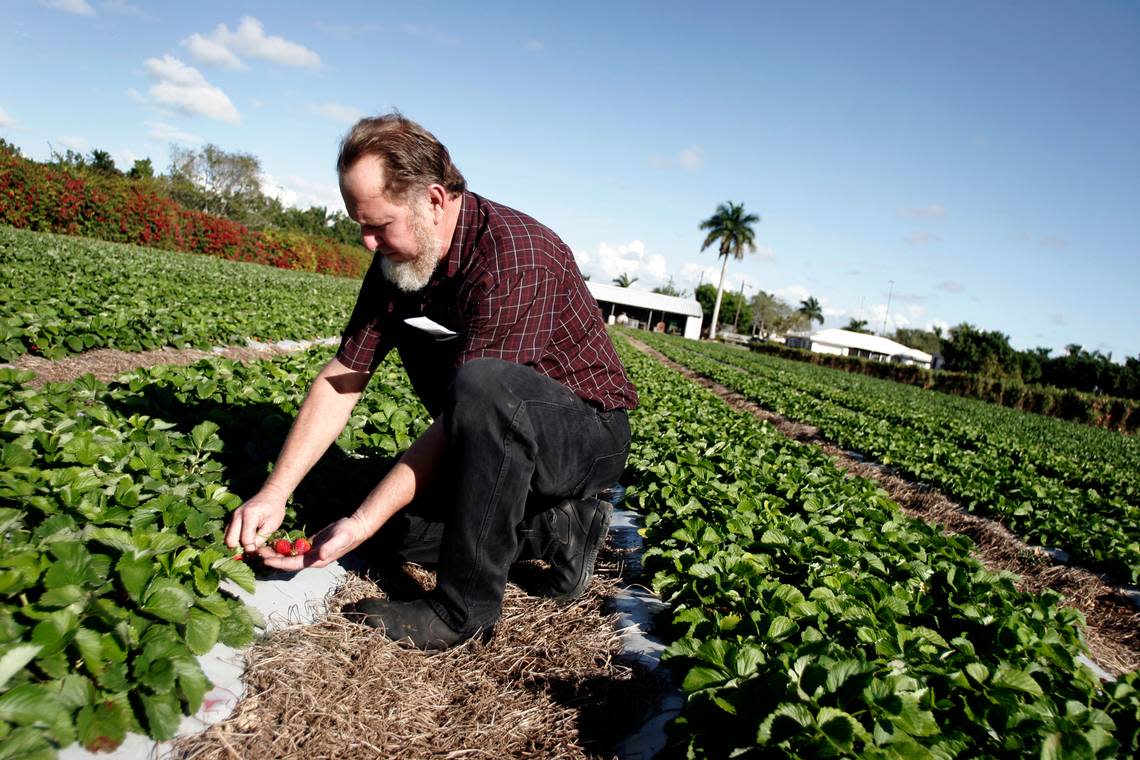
[[812, 619], [63, 295], [1053, 483], [113, 500]]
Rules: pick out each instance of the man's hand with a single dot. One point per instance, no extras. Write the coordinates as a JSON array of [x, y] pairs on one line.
[[329, 545], [255, 520]]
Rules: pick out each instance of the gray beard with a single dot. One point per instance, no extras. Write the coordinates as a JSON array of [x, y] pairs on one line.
[[409, 276]]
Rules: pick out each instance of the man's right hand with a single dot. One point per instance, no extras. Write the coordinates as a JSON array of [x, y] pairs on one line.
[[256, 519]]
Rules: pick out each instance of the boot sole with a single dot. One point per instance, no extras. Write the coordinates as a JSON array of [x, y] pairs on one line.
[[597, 539]]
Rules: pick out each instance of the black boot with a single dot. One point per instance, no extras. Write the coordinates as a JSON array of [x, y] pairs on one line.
[[579, 528], [415, 621]]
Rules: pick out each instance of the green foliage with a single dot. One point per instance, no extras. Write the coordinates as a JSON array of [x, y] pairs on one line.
[[64, 295], [1051, 482], [810, 618], [113, 498]]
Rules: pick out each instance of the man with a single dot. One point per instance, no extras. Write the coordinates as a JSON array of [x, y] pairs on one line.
[[514, 364]]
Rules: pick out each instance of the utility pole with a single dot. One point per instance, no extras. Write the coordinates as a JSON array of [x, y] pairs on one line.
[[890, 292], [736, 319]]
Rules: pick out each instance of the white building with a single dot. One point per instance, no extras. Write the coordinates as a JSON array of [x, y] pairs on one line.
[[847, 343], [651, 311]]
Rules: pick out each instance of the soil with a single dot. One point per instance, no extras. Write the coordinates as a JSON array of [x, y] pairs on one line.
[[106, 364], [1112, 628]]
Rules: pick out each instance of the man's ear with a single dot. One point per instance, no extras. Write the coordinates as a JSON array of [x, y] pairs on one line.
[[437, 196]]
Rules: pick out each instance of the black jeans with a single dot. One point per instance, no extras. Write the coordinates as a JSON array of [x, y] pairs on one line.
[[517, 443]]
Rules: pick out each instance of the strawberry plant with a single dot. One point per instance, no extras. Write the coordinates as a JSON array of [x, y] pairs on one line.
[[1052, 482], [811, 618], [113, 498]]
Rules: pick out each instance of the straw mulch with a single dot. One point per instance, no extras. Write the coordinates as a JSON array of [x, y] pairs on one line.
[[1112, 629], [549, 684]]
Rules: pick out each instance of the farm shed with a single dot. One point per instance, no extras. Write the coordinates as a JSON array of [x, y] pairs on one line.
[[646, 310], [874, 347]]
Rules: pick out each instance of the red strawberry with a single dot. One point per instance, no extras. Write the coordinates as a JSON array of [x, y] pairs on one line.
[[301, 545], [239, 557], [284, 547]]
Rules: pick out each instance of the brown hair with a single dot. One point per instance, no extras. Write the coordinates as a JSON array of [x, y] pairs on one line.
[[411, 156]]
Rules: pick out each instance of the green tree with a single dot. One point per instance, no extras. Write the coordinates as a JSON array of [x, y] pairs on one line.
[[102, 163], [142, 169], [771, 315], [969, 349], [624, 280], [811, 310], [669, 289], [732, 228], [217, 182], [924, 340], [706, 296], [857, 325]]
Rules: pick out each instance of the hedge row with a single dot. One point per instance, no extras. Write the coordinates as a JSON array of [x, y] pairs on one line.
[[1102, 411], [47, 198]]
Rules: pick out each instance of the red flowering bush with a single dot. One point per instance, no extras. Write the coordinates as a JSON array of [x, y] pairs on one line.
[[48, 198]]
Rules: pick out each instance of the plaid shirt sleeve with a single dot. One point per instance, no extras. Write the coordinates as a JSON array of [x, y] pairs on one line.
[[511, 319], [362, 344]]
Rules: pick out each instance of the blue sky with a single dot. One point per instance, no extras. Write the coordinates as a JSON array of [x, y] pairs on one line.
[[973, 162]]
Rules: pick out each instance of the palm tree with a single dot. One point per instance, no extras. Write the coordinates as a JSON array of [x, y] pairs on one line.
[[812, 310], [624, 280], [733, 229], [857, 325]]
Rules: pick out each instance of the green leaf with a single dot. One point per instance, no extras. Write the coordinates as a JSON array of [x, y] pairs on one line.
[[102, 727], [913, 719], [15, 658], [1017, 680], [28, 704], [781, 627], [55, 631], [115, 538], [839, 728], [135, 572], [202, 631], [238, 572], [701, 678], [192, 682], [168, 600], [163, 714], [978, 672], [64, 596]]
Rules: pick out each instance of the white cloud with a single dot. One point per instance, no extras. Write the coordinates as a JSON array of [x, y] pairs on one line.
[[348, 31], [933, 211], [168, 134], [614, 259], [302, 193], [534, 45], [793, 294], [78, 7], [184, 88], [337, 112], [6, 121], [921, 238], [690, 158], [124, 8], [225, 48], [431, 33], [74, 142], [211, 53], [125, 158]]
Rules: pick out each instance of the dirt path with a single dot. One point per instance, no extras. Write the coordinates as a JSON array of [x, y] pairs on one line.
[[106, 364], [1113, 622]]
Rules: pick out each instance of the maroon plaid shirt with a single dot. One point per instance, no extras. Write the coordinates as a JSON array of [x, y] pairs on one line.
[[511, 290]]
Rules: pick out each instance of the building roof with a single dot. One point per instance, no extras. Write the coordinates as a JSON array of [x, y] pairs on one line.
[[643, 299], [872, 343]]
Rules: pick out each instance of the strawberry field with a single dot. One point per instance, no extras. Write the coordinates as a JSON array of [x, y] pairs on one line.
[[1052, 482], [62, 295], [807, 616]]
